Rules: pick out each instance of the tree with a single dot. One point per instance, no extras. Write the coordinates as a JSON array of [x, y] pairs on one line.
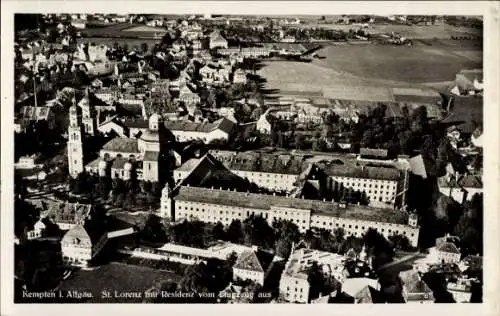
[[218, 232], [470, 226], [144, 48], [235, 232], [316, 281], [153, 230], [401, 242], [300, 141], [258, 232]]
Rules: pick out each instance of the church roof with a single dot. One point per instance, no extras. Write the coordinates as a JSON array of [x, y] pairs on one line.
[[122, 144]]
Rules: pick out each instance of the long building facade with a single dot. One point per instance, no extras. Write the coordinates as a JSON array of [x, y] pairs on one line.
[[212, 206]]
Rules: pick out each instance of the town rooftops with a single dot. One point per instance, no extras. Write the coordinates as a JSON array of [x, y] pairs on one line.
[[345, 169], [122, 145], [268, 202], [222, 124], [260, 162], [251, 260], [69, 213]]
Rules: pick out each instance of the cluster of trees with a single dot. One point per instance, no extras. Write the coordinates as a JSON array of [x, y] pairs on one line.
[[470, 226], [278, 237], [399, 135], [130, 193]]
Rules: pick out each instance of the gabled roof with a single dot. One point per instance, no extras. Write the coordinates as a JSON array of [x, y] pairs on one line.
[[122, 144], [253, 260], [471, 181], [413, 283], [215, 36]]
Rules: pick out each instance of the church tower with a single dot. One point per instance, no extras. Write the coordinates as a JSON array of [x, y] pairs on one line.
[[88, 114], [167, 208], [75, 146]]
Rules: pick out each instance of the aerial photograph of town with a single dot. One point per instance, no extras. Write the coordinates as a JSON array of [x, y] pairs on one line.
[[211, 158]]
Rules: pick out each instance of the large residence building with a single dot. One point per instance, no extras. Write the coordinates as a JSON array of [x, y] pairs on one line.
[[217, 205], [270, 171], [380, 184]]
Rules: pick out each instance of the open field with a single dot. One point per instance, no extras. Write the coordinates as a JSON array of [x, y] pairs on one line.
[[115, 276], [443, 31], [385, 65], [400, 63]]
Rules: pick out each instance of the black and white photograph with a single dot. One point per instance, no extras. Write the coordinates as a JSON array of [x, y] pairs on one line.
[[207, 158]]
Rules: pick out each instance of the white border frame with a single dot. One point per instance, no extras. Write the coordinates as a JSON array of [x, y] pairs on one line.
[[489, 10]]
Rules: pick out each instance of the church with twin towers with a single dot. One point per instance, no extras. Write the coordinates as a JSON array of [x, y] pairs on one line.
[[141, 157]]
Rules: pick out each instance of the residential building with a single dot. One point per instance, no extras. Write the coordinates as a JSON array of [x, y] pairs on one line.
[[112, 125], [253, 265], [206, 132], [294, 284], [240, 76], [449, 187], [82, 243], [187, 96], [361, 290], [217, 205], [470, 81], [217, 41], [461, 290], [68, 215], [38, 230], [445, 251], [477, 137], [263, 125], [415, 290], [31, 114]]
